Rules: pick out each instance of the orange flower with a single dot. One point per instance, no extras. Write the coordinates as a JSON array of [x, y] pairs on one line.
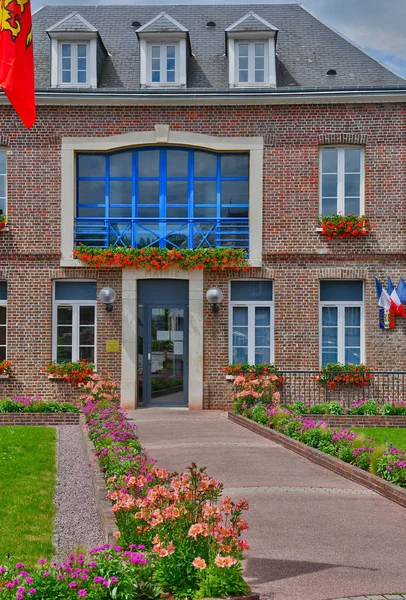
[[199, 563]]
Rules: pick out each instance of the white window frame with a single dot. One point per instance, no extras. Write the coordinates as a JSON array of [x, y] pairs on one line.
[[91, 41], [270, 63], [341, 306], [2, 149], [251, 305], [76, 304], [341, 177], [74, 62], [147, 40], [4, 303], [163, 69], [251, 62]]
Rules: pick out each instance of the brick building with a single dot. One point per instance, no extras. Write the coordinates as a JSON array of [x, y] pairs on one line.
[[181, 126]]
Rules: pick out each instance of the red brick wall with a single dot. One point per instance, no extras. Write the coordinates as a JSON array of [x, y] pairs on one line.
[[295, 255]]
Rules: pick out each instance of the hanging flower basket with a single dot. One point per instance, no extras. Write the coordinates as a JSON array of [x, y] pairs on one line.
[[337, 375], [161, 259], [6, 367], [74, 372], [345, 226]]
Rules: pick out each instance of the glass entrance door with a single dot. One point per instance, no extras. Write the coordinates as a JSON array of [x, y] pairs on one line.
[[166, 382]]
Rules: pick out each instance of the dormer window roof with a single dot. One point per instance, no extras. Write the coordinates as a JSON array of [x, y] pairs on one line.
[[250, 46], [163, 52], [76, 52]]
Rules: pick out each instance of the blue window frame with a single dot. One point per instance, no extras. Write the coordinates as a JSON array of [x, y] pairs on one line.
[[164, 197]]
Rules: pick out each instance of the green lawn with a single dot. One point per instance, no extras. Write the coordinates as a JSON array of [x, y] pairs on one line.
[[27, 486], [388, 434]]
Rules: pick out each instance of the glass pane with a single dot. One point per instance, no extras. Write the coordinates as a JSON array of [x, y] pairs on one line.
[[87, 315], [262, 355], [2, 206], [352, 185], [3, 315], [352, 206], [2, 186], [170, 76], [259, 50], [156, 76], [329, 356], [205, 213], [352, 316], [259, 76], [148, 163], [262, 336], [329, 206], [353, 337], [86, 353], [353, 161], [64, 335], [75, 290], [121, 213], [329, 186], [152, 213], [234, 192], [243, 76], [82, 77], [329, 316], [66, 77], [120, 192], [91, 192], [66, 50], [148, 192], [155, 51], [91, 212], [234, 165], [240, 315], [240, 355], [121, 164], [66, 64], [82, 50], [205, 192], [81, 64], [262, 316], [352, 355], [167, 355], [3, 353], [2, 161], [64, 315], [147, 234], [63, 353], [180, 212], [177, 192], [243, 49], [177, 163], [240, 336], [329, 337], [252, 290], [170, 51], [86, 336], [341, 290], [205, 164], [329, 160], [243, 63], [3, 335], [3, 290], [91, 165]]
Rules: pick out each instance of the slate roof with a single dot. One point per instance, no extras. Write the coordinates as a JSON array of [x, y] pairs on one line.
[[306, 49], [72, 23]]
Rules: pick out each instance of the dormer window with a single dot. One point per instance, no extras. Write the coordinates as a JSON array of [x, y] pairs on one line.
[[251, 52], [76, 52], [163, 52]]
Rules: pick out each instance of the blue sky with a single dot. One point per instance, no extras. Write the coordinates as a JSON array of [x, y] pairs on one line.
[[376, 26]]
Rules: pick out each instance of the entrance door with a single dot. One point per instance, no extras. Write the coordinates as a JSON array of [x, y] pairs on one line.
[[163, 343]]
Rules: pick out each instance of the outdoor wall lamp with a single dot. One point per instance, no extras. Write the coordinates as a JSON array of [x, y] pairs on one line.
[[214, 296], [107, 296]]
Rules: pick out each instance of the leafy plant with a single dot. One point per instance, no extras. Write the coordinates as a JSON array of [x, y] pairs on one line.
[[26, 404], [344, 226], [75, 372], [364, 407]]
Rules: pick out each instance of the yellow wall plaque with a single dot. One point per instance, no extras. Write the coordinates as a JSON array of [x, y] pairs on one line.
[[112, 346]]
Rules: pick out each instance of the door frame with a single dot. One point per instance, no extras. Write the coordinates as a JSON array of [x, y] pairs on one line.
[[129, 349], [146, 362]]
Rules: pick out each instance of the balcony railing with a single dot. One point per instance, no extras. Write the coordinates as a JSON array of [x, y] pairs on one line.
[[164, 233], [384, 386]]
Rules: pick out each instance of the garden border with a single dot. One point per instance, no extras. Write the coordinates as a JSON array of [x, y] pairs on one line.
[[377, 484], [104, 507], [398, 421], [42, 419]]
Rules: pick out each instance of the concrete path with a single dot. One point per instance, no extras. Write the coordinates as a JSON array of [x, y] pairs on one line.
[[314, 535]]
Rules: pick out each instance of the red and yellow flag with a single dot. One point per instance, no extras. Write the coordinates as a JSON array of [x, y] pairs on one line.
[[17, 58]]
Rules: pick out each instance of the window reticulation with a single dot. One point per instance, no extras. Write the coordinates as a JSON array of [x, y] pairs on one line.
[[342, 181], [251, 322], [3, 320], [163, 62], [3, 181], [163, 197], [341, 322], [74, 321], [251, 63], [74, 63]]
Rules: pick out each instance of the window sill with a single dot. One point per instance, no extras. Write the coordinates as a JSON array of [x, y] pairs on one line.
[[55, 377], [4, 376], [230, 377]]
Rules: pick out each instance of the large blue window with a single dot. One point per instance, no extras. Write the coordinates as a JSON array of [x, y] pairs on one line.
[[164, 197]]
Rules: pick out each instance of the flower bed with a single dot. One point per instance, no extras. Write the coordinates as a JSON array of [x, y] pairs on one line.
[[75, 372], [385, 461], [26, 404], [364, 407], [161, 259], [345, 226]]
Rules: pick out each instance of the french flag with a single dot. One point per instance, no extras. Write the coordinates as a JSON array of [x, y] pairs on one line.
[[384, 300], [402, 291], [395, 300]]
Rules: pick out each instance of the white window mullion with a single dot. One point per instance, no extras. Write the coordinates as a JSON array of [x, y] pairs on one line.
[[75, 333], [341, 334], [340, 182], [251, 335]]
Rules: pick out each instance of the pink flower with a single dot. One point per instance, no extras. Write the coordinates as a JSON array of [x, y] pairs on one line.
[[199, 563], [82, 593]]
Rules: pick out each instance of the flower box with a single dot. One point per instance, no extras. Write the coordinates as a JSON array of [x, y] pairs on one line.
[[75, 372], [344, 226], [5, 369], [4, 376]]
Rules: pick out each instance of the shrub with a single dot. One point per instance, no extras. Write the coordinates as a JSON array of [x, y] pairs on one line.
[[395, 407], [298, 408], [260, 414], [364, 407], [26, 404]]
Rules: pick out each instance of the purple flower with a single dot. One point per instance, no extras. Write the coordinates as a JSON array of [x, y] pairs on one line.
[[42, 561], [82, 593]]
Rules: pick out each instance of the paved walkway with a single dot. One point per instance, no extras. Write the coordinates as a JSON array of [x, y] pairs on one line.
[[314, 535]]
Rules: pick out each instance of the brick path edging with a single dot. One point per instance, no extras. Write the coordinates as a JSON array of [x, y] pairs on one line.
[[40, 419], [377, 484], [360, 421], [104, 508]]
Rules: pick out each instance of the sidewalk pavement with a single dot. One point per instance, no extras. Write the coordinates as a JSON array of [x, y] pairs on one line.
[[314, 535]]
